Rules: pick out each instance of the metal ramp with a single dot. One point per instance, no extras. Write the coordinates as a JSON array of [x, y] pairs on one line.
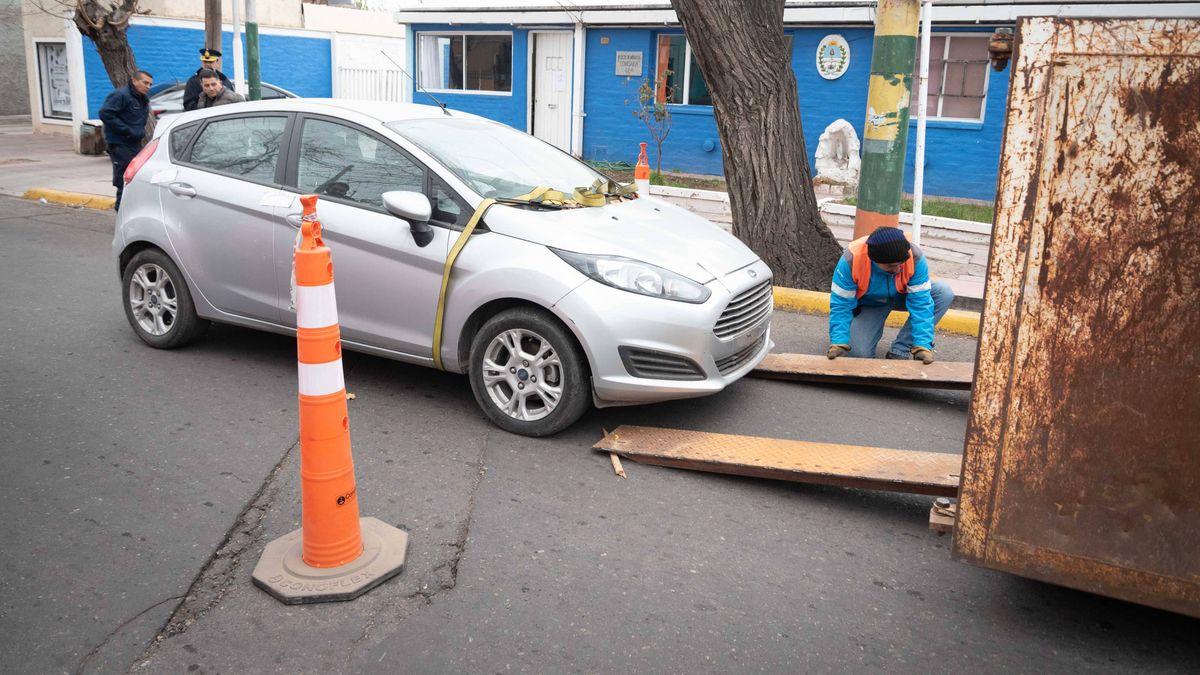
[[925, 473], [876, 372]]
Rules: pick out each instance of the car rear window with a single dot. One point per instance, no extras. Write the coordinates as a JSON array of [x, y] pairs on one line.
[[180, 137], [246, 147]]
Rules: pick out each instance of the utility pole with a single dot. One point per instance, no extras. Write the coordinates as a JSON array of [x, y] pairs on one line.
[[239, 60], [922, 104], [254, 87], [212, 24], [885, 135]]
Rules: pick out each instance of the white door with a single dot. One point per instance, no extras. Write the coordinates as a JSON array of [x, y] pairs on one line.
[[552, 88]]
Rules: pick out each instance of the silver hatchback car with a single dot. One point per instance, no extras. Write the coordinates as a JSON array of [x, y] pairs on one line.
[[548, 309]]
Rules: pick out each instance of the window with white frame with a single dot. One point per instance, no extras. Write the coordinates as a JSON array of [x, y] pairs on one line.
[[467, 62], [52, 80], [958, 76], [684, 83]]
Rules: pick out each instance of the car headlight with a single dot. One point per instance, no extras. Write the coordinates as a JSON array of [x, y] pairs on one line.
[[635, 276]]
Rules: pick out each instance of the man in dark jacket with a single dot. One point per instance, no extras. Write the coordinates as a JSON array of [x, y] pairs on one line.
[[210, 59], [124, 115]]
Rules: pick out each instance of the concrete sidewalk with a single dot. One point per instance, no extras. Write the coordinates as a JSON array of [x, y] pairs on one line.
[[29, 161], [958, 250]]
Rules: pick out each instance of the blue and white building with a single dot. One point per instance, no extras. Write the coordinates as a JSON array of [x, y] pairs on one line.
[[568, 72], [310, 50]]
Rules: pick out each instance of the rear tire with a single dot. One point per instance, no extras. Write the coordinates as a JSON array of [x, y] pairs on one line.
[[158, 303], [528, 373]]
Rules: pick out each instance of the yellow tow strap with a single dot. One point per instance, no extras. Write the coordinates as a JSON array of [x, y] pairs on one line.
[[597, 194], [454, 251]]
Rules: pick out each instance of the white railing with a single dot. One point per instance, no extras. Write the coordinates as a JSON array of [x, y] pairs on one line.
[[372, 84]]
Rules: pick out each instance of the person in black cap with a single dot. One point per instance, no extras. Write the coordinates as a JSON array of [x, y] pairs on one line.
[[210, 59], [879, 273]]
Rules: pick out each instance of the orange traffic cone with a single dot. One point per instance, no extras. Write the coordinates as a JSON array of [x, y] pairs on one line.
[[335, 555], [641, 174]]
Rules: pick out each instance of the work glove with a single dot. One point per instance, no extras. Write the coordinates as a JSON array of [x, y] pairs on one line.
[[923, 355], [837, 350]]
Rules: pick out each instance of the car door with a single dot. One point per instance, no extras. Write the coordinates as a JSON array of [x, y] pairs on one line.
[[222, 207], [387, 285]]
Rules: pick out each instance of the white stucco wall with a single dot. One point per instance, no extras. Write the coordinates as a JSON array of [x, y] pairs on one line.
[[39, 24]]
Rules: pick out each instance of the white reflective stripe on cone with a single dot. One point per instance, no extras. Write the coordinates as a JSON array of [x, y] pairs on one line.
[[316, 306], [319, 379]]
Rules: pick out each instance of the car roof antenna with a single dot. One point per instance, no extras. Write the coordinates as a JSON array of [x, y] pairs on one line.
[[417, 84]]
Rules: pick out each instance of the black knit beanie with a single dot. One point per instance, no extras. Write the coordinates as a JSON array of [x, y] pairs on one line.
[[887, 245]]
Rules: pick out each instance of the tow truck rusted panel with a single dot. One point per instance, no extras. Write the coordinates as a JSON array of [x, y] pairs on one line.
[[1082, 458]]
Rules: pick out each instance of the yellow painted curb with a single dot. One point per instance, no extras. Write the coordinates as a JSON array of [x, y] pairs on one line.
[[956, 321], [71, 198]]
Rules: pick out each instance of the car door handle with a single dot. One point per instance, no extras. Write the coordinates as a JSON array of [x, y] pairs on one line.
[[294, 220], [182, 190]]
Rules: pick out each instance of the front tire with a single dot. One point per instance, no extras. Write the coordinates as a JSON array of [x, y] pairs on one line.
[[157, 302], [527, 373]]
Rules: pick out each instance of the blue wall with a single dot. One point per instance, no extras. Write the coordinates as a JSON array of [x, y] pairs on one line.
[[301, 65], [510, 109], [961, 158], [611, 133]]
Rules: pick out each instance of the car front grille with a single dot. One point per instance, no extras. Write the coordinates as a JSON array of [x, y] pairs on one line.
[[739, 358], [659, 365], [744, 311]]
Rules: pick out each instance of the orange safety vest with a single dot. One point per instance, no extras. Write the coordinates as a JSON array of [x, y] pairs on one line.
[[860, 268]]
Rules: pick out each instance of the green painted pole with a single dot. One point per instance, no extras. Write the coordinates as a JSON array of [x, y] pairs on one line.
[[885, 134], [253, 78]]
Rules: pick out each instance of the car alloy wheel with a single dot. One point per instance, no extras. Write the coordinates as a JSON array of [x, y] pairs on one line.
[[528, 373], [523, 374], [158, 303], [153, 300]]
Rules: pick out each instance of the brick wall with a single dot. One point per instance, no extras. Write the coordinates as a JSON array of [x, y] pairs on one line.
[[299, 64]]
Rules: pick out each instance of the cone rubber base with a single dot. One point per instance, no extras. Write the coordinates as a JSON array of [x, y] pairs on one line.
[[283, 573]]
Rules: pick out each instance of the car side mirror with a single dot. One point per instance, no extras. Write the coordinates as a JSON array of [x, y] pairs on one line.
[[413, 207]]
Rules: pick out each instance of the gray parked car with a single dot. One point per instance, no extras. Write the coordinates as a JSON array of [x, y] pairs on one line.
[[548, 309], [168, 99]]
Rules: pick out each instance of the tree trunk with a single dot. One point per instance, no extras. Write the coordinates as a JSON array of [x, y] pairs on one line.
[[105, 25], [212, 24], [741, 49]]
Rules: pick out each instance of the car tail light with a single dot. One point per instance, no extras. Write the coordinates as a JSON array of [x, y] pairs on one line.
[[138, 160]]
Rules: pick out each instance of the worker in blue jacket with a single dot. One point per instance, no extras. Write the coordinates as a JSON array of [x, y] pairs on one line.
[[879, 273], [124, 115]]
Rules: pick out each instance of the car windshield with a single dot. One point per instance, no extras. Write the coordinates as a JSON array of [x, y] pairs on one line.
[[496, 160]]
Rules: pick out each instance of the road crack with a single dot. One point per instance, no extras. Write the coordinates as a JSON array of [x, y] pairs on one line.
[[219, 573], [443, 577], [96, 650]]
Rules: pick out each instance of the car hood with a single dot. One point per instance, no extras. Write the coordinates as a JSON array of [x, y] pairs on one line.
[[649, 230]]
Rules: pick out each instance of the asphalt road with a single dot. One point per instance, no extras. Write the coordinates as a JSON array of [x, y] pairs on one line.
[[140, 487]]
